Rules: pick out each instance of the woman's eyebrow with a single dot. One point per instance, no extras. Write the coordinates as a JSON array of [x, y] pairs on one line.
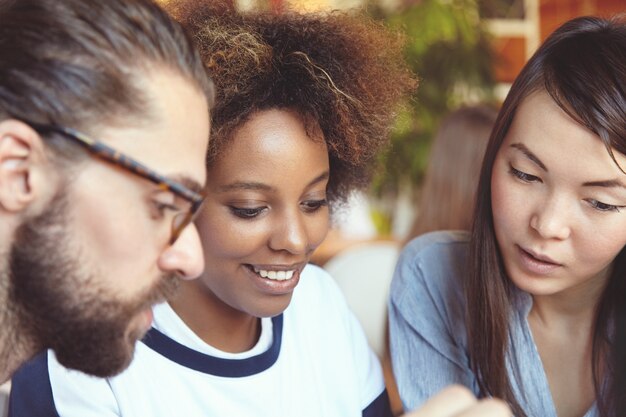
[[528, 154], [259, 186], [245, 185], [605, 183], [324, 176]]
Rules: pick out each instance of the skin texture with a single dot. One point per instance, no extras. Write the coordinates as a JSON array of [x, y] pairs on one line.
[[549, 205], [551, 212], [171, 141], [74, 287], [266, 209]]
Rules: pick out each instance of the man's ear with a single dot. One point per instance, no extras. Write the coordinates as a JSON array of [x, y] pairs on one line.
[[23, 165]]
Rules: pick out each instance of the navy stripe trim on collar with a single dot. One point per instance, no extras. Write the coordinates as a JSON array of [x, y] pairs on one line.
[[380, 407], [231, 368]]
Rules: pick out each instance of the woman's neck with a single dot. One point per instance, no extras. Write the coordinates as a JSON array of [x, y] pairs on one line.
[[562, 329], [216, 323], [574, 307]]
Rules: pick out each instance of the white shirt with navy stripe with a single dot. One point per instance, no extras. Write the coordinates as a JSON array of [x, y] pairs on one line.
[[311, 361]]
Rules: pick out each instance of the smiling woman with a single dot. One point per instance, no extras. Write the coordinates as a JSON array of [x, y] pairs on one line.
[[266, 211]]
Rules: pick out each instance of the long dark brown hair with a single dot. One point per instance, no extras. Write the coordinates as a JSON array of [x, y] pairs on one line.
[[582, 65], [448, 195]]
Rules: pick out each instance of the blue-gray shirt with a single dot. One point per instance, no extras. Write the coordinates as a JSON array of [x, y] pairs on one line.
[[427, 328]]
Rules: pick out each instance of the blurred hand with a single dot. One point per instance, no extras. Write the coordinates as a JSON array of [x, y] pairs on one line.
[[458, 401]]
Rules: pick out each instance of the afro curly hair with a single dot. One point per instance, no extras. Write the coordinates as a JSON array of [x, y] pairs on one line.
[[342, 73]]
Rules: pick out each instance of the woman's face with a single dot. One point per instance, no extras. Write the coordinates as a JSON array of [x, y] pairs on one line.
[[559, 202], [265, 213]]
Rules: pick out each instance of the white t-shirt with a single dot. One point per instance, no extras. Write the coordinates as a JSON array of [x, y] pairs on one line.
[[312, 360]]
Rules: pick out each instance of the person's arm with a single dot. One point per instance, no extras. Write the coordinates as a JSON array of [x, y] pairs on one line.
[[458, 401], [426, 313]]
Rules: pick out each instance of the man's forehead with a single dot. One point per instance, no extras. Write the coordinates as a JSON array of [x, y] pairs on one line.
[[173, 139], [177, 155]]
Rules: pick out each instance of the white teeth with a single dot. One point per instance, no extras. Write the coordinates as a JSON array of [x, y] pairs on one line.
[[275, 275]]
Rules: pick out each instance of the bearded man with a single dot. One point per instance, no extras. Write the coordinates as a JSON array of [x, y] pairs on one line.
[[104, 123]]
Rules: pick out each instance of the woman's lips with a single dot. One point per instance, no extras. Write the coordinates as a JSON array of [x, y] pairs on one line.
[[275, 280], [535, 263]]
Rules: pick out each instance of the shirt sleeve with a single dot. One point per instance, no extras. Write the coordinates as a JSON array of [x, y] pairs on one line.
[[374, 398], [372, 395], [44, 388], [426, 314]]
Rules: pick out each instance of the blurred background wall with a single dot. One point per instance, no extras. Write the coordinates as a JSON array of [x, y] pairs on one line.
[[465, 52]]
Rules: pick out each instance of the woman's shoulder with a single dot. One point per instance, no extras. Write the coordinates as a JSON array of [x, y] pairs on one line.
[[441, 240], [435, 262], [434, 251]]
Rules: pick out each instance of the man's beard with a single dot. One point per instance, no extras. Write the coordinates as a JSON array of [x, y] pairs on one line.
[[61, 306]]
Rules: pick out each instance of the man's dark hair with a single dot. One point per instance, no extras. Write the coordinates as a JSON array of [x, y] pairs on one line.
[[81, 63]]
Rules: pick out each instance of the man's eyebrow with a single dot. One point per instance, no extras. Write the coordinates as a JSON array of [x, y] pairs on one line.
[[188, 182], [528, 154]]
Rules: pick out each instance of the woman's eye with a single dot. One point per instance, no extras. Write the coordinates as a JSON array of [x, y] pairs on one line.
[[522, 175], [314, 205], [247, 213], [600, 206]]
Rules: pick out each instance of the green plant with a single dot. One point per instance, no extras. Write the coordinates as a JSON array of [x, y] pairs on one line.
[[449, 49]]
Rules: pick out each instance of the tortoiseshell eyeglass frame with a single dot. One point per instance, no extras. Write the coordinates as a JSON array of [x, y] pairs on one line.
[[108, 154]]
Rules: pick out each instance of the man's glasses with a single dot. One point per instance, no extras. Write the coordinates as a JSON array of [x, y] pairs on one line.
[[192, 200]]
